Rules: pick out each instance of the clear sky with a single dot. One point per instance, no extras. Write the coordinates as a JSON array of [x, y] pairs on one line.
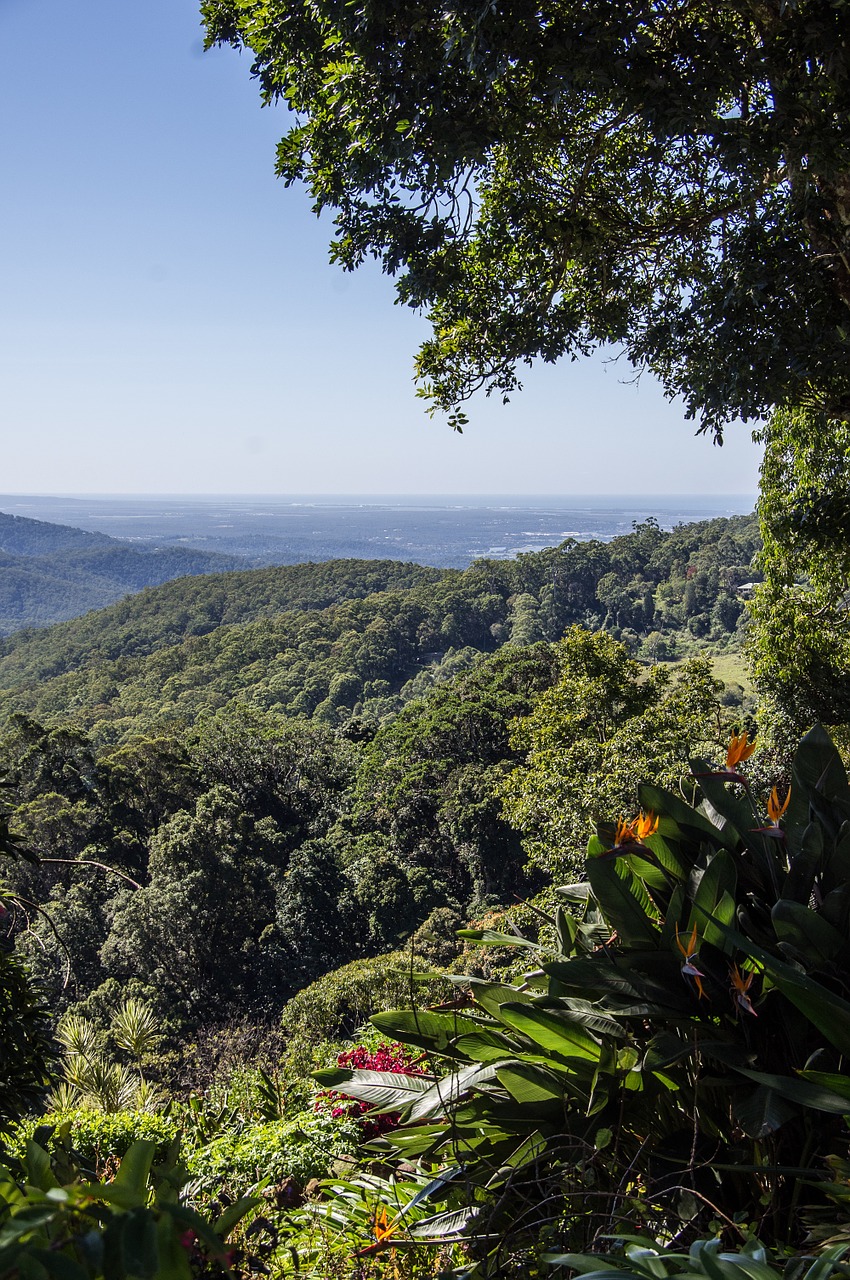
[[169, 322]]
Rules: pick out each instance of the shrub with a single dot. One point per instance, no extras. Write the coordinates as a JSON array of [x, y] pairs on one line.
[[302, 1148], [338, 1003], [99, 1138]]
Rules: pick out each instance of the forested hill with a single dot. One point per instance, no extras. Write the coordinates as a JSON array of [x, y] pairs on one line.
[[354, 639], [49, 572]]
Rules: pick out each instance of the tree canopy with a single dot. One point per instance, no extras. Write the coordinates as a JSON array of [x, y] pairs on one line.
[[672, 176]]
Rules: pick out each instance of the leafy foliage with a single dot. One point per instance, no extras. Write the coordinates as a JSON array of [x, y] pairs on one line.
[[677, 1061], [604, 721], [545, 181], [800, 645], [131, 1225]]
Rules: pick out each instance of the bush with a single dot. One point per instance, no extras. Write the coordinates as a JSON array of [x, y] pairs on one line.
[[338, 1003], [98, 1139], [302, 1148]]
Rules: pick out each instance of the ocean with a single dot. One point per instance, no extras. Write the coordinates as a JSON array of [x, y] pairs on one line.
[[442, 530]]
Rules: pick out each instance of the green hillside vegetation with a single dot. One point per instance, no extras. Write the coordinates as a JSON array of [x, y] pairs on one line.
[[51, 572], [259, 807], [188, 647]]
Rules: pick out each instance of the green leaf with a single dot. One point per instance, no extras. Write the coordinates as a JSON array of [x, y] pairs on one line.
[[715, 884], [762, 1113], [813, 938], [383, 1090], [800, 1091], [623, 901], [139, 1248], [528, 1084], [445, 1092], [135, 1167], [234, 1214], [425, 1029], [547, 1029], [39, 1171]]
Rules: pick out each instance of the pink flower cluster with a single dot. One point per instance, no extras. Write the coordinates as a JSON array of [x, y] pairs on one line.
[[390, 1057]]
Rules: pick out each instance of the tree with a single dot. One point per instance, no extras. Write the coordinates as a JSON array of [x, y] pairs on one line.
[[604, 724], [546, 178], [800, 643]]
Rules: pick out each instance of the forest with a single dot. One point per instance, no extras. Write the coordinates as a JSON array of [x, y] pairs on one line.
[[251, 818]]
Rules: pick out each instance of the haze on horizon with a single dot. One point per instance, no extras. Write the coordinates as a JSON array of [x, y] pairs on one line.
[[170, 323]]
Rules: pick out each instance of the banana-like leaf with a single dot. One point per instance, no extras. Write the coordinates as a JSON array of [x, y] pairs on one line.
[[383, 1090], [454, 1222], [709, 887], [805, 861], [803, 1092], [685, 820], [623, 901], [825, 1010], [830, 1080], [528, 1084], [428, 1030], [812, 937], [817, 764], [550, 1031], [485, 1047], [446, 1091], [763, 1112], [490, 996], [135, 1167]]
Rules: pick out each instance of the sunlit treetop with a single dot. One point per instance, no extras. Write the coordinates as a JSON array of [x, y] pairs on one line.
[[545, 178]]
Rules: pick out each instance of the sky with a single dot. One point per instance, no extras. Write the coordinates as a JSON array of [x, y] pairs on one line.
[[169, 321]]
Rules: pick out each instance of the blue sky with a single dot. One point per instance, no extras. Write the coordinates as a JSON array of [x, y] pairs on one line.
[[169, 321]]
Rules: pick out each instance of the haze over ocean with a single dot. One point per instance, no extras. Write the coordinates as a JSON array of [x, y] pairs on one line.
[[442, 530]]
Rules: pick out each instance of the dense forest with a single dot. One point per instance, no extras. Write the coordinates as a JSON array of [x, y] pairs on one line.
[[358, 759], [380, 923], [350, 640], [292, 852]]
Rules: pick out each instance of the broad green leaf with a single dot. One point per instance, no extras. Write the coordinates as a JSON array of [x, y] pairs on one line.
[[425, 1029], [816, 764], [623, 901], [485, 1047], [825, 1010], [490, 996], [812, 937], [800, 1091], [445, 1092], [37, 1164], [829, 1080], [135, 1167], [763, 1112], [383, 1090], [719, 879], [529, 1084], [234, 1214], [453, 1222], [678, 817], [139, 1250], [547, 1029], [173, 1258]]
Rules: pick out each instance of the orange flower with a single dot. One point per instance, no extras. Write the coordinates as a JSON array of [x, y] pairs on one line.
[[382, 1231], [775, 810], [690, 951], [625, 833], [740, 988], [645, 825], [739, 749]]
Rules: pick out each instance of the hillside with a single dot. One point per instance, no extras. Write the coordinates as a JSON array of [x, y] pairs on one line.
[[51, 572], [360, 639]]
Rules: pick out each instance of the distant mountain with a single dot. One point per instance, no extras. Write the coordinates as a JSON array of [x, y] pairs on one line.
[[52, 572]]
